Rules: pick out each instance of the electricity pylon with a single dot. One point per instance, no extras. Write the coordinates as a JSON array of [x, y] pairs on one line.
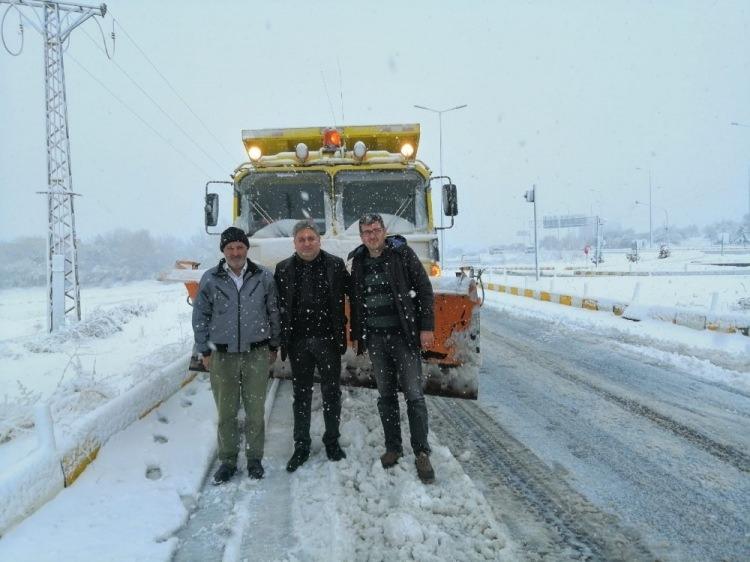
[[63, 289]]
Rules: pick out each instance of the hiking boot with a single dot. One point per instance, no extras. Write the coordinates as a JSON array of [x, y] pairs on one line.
[[255, 469], [390, 458], [424, 468], [298, 459], [335, 452], [224, 474]]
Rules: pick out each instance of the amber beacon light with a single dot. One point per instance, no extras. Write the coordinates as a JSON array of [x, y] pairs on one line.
[[332, 138]]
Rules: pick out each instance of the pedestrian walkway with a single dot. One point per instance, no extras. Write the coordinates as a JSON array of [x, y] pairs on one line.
[[247, 519]]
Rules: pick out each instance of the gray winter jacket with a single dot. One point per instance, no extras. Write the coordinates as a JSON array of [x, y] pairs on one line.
[[236, 321]]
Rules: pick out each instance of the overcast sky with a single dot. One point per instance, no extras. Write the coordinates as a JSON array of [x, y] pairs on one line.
[[571, 96]]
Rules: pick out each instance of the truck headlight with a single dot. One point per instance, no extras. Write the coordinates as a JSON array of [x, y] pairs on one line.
[[254, 153]]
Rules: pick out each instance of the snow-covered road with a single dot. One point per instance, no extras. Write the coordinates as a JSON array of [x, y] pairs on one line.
[[644, 456]]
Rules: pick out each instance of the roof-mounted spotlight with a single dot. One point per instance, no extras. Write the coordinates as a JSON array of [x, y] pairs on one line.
[[302, 152], [407, 150], [359, 150], [254, 153]]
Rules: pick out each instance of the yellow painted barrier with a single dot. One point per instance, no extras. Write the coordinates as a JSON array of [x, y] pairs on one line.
[[617, 309], [714, 327], [589, 304], [76, 462]]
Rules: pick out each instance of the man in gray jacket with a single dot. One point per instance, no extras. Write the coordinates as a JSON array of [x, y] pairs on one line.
[[236, 327]]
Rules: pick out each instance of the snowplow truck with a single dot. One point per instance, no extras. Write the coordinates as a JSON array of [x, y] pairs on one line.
[[333, 176]]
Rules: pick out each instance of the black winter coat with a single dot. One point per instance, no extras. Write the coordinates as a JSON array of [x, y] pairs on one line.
[[412, 291], [339, 284]]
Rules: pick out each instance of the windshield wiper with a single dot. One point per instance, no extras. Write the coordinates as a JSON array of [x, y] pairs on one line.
[[262, 212], [401, 208]]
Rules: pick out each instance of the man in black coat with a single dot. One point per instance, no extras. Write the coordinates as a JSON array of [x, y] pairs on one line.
[[311, 287], [392, 318]]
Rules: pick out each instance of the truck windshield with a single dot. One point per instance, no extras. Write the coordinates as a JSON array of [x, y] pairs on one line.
[[272, 203], [398, 196]]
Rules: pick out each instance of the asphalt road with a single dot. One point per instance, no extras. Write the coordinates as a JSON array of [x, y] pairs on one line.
[[586, 450]]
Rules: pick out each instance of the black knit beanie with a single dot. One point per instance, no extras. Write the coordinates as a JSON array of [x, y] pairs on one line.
[[233, 234]]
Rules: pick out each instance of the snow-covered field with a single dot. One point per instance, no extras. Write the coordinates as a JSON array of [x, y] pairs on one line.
[[141, 488], [687, 279], [127, 332]]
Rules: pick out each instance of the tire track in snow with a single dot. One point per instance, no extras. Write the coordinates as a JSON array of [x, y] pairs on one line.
[[561, 368], [567, 525]]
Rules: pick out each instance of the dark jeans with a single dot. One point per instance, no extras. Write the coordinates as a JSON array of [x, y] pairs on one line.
[[304, 355], [395, 364]]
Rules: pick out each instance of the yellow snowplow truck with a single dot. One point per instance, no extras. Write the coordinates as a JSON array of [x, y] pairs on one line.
[[333, 176]]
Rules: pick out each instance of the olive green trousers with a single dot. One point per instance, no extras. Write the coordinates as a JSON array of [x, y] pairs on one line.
[[235, 377]]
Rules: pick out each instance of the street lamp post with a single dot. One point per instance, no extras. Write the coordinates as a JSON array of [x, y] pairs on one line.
[[650, 214], [440, 134], [736, 124], [530, 197], [666, 219]]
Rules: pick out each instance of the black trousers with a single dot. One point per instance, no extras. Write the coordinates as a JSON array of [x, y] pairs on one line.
[[305, 354]]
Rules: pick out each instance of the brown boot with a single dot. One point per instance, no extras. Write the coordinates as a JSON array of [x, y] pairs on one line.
[[390, 458], [424, 468]]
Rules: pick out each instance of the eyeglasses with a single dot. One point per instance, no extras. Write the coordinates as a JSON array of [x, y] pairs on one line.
[[371, 232]]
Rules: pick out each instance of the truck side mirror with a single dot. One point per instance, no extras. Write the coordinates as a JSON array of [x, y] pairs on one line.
[[211, 209], [450, 200]]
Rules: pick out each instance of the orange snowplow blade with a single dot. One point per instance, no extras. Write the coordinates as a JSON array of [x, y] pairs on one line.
[[451, 366], [192, 289]]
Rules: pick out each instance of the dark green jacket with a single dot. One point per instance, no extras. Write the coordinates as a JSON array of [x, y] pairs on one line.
[[412, 291]]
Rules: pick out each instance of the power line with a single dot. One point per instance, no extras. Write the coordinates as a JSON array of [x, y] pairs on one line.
[[330, 103], [341, 90], [159, 107], [141, 119], [20, 31], [176, 93]]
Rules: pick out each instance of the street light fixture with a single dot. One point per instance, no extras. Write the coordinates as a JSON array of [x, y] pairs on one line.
[[440, 125]]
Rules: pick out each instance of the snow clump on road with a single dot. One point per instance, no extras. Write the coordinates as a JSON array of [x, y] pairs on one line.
[[369, 513]]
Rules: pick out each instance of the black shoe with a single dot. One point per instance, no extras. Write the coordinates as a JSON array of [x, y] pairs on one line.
[[224, 474], [255, 470], [335, 452], [298, 459]]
